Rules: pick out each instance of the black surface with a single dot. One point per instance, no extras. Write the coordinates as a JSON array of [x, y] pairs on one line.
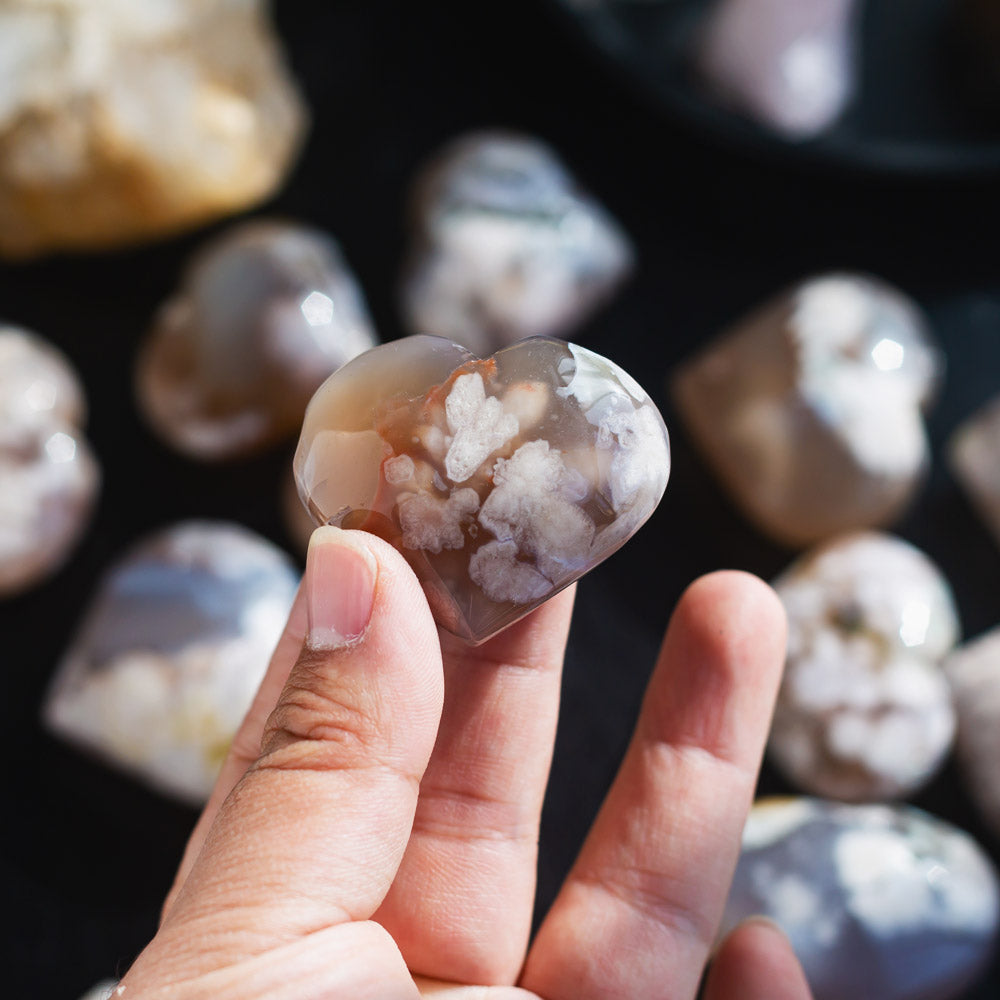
[[86, 854]]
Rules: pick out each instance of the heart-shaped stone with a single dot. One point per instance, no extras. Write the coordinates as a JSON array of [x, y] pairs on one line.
[[501, 480]]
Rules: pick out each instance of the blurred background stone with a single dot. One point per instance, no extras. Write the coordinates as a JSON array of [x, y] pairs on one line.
[[974, 456], [49, 477], [506, 245], [128, 119], [864, 712], [791, 66], [167, 659], [265, 313], [974, 673], [810, 409], [878, 901]]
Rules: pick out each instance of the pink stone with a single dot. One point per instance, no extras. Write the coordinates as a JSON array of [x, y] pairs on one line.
[[790, 65], [810, 409], [501, 480], [265, 313], [48, 473]]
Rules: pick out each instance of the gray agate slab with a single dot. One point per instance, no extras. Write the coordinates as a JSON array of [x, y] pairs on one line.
[[880, 902], [170, 654]]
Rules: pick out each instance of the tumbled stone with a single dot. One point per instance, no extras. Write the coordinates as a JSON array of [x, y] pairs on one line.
[[974, 456], [878, 901], [864, 711], [48, 473], [501, 480], [974, 673], [127, 119], [265, 313], [297, 519], [506, 246], [790, 66], [810, 409], [169, 656]]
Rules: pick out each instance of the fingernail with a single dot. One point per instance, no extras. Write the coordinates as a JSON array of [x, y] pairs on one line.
[[340, 588]]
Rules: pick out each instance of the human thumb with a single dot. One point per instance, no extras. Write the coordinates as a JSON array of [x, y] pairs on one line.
[[313, 834]]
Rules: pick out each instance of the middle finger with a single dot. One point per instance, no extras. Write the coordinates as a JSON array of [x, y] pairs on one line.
[[460, 906]]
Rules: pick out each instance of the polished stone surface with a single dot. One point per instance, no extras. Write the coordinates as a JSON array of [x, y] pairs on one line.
[[265, 313], [790, 66], [974, 673], [128, 119], [49, 477], [506, 245], [974, 456], [501, 480], [166, 661], [878, 901], [810, 410], [864, 711]]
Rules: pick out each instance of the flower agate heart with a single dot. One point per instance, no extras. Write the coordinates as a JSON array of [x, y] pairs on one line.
[[501, 480]]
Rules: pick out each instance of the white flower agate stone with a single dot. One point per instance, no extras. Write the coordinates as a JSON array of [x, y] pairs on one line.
[[126, 119], [506, 246], [169, 656], [265, 313], [974, 673], [810, 410], [501, 480], [49, 477], [878, 901], [790, 66], [864, 711], [974, 455]]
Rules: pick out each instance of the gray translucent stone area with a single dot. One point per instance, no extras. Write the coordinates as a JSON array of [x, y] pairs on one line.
[[501, 480], [790, 66], [48, 472], [506, 245], [864, 711], [167, 659], [879, 901], [264, 314], [810, 409]]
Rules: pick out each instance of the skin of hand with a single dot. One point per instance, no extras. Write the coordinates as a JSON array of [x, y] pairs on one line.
[[373, 833]]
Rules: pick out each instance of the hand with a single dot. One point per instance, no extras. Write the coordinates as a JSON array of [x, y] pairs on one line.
[[373, 833]]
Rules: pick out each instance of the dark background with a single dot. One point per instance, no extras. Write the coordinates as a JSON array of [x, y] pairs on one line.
[[87, 854]]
